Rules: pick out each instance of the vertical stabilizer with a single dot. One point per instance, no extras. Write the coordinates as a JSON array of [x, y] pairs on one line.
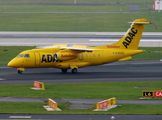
[[132, 37]]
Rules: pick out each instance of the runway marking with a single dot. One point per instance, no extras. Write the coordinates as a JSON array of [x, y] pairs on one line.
[[115, 40], [2, 79], [20, 117]]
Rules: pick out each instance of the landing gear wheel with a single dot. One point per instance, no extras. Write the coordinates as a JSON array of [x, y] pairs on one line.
[[75, 70], [19, 71], [64, 70]]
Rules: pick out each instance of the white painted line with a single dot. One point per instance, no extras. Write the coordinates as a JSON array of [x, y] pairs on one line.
[[20, 117], [2, 79], [104, 40], [115, 40]]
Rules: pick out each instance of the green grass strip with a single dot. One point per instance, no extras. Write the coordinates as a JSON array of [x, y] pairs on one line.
[[50, 2], [109, 22], [98, 90], [37, 108]]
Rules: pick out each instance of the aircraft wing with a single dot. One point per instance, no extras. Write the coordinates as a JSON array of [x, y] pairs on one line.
[[77, 49]]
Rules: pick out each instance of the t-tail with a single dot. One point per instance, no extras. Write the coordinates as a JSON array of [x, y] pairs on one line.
[[132, 37]]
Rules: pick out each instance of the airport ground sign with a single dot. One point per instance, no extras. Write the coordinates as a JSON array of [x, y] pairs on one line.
[[152, 94]]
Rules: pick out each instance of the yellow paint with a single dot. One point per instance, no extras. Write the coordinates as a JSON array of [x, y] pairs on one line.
[[64, 57], [97, 106], [113, 100], [109, 102], [52, 104], [42, 85]]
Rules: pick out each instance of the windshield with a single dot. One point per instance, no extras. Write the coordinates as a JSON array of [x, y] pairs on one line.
[[27, 56], [23, 55], [20, 55]]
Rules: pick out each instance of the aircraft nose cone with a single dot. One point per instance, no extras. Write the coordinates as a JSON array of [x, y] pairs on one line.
[[10, 64], [14, 63]]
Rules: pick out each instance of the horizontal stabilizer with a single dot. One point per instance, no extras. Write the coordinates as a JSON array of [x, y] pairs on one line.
[[141, 23]]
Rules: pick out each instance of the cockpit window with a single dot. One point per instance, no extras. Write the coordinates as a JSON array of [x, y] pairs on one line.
[[27, 56], [23, 55], [20, 55]]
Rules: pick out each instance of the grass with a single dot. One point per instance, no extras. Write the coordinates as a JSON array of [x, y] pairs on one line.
[[71, 1], [37, 108], [9, 52], [99, 90], [63, 8], [151, 53], [102, 90], [74, 22]]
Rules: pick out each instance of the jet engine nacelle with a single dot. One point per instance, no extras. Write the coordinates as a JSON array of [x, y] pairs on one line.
[[65, 56]]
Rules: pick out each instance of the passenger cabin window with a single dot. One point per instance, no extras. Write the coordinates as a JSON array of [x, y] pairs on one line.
[[98, 55]]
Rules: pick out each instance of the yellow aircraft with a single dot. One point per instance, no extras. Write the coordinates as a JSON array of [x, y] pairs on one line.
[[73, 57]]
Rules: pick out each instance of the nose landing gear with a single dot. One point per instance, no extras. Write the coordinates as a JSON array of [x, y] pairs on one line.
[[20, 70]]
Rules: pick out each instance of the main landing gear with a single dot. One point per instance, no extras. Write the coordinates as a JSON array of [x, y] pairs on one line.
[[74, 70], [64, 70]]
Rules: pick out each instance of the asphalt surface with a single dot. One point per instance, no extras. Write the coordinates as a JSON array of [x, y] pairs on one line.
[[120, 71]]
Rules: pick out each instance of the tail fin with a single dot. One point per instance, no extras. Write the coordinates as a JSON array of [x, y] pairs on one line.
[[132, 37]]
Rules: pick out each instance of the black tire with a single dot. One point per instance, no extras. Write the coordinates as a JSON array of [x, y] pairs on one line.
[[19, 71], [75, 70], [64, 70]]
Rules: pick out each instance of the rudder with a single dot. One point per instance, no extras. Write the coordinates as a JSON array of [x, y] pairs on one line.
[[132, 37]]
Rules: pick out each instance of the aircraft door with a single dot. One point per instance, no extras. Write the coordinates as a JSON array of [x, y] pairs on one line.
[[37, 58], [104, 57]]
